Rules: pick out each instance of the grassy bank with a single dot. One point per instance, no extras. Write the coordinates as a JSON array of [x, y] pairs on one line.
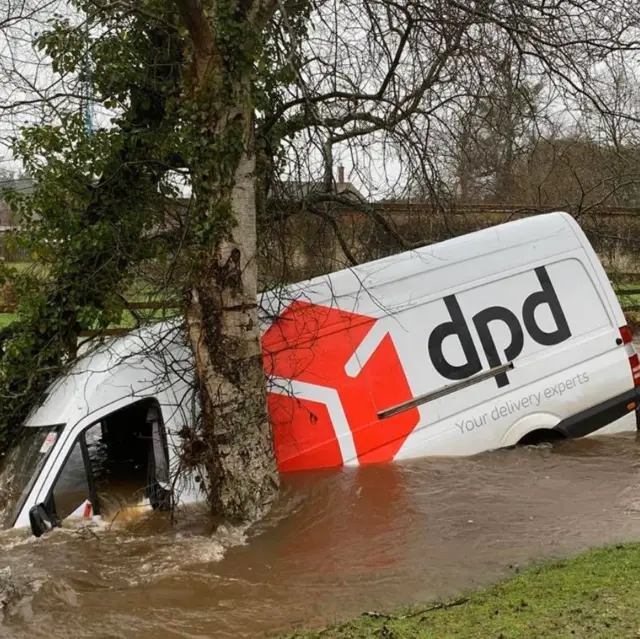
[[596, 594]]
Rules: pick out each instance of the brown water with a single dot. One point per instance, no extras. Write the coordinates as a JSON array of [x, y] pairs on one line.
[[338, 543]]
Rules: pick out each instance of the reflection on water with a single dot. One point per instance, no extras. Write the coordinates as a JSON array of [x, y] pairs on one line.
[[337, 543]]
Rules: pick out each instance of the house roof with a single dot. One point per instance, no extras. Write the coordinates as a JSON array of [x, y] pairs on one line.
[[23, 185], [299, 190]]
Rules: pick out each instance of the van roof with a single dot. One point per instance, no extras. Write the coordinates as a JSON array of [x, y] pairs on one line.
[[146, 358], [352, 281], [115, 369]]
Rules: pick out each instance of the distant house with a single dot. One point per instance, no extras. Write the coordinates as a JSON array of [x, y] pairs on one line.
[[296, 191]]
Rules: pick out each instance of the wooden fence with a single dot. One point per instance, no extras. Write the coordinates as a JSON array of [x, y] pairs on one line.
[[8, 309], [11, 254]]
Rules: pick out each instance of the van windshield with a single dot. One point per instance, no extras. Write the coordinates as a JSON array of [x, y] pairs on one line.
[[20, 467]]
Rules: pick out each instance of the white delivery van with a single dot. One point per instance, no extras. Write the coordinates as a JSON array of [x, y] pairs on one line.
[[507, 335]]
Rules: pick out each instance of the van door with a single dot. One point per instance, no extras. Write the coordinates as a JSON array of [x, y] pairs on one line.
[[117, 464]]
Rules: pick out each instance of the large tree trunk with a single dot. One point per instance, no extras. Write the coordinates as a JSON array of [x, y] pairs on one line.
[[222, 319], [223, 329]]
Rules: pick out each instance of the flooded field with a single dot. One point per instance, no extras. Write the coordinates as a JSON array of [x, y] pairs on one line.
[[338, 543]]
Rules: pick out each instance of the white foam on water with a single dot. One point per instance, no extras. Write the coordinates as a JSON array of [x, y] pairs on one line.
[[15, 538], [184, 552], [161, 554]]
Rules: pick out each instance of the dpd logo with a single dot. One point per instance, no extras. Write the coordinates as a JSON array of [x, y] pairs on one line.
[[481, 321], [325, 400]]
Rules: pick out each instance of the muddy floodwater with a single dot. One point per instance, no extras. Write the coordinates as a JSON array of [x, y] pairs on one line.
[[338, 543]]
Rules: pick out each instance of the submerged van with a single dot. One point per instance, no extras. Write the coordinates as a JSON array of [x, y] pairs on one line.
[[508, 335]]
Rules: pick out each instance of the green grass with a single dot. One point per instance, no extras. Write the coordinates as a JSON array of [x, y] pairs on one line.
[[141, 293], [6, 319], [21, 266], [627, 301], [596, 594], [128, 320]]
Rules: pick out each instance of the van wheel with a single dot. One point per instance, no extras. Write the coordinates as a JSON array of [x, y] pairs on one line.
[[541, 436]]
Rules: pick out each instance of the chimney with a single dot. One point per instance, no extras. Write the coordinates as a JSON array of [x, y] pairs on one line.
[[340, 175]]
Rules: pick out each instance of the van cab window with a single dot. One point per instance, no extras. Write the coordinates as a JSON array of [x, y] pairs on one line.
[[19, 469], [71, 489], [118, 463]]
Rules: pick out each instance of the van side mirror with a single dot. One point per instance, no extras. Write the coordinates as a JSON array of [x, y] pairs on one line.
[[41, 521]]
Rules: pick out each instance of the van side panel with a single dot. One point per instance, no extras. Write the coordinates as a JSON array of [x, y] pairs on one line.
[[345, 347]]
